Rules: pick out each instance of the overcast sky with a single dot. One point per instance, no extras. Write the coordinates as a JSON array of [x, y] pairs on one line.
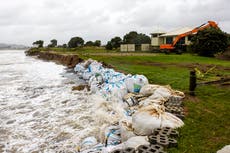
[[24, 21]]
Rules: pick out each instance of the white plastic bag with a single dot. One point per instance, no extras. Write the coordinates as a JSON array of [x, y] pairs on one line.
[[225, 149], [112, 135], [114, 90], [135, 83], [87, 75], [148, 89], [161, 93], [135, 142], [88, 143], [150, 117], [79, 68], [126, 130], [95, 67]]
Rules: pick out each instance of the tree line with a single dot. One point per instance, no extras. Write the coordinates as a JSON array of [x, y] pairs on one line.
[[73, 43], [206, 42], [130, 38]]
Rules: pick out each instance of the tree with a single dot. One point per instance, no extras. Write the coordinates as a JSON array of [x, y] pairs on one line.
[[109, 46], [64, 46], [39, 43], [75, 42], [89, 43], [209, 41], [134, 38], [97, 43], [116, 42], [53, 43]]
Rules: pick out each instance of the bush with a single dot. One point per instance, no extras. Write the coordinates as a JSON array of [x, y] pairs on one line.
[[209, 41]]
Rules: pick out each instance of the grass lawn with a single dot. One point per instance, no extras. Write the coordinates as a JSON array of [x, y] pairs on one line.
[[207, 123]]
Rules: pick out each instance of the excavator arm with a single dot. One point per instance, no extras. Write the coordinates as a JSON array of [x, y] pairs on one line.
[[195, 30]]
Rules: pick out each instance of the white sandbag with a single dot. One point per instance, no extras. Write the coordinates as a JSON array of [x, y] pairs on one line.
[[112, 135], [95, 67], [95, 149], [111, 148], [225, 149], [150, 117], [170, 120], [79, 68], [148, 89], [97, 78], [130, 100], [107, 74], [88, 143], [135, 142], [116, 77], [86, 63], [106, 112], [95, 82], [114, 90], [135, 83], [126, 130], [161, 93], [87, 75], [148, 101]]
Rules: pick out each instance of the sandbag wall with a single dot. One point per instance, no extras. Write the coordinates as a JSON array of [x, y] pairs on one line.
[[129, 109]]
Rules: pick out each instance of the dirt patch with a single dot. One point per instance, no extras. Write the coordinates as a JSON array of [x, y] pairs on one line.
[[202, 67], [67, 60], [225, 55], [191, 98]]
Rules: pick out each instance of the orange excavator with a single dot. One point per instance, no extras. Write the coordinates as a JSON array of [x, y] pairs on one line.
[[175, 47]]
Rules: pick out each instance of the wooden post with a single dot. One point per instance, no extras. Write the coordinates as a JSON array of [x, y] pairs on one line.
[[192, 83]]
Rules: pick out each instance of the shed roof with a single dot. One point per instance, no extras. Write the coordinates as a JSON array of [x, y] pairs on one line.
[[158, 31], [177, 32]]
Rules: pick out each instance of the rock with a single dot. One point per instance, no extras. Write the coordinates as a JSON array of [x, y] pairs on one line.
[[80, 87], [10, 121]]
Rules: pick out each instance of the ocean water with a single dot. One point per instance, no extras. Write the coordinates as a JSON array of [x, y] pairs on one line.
[[39, 112]]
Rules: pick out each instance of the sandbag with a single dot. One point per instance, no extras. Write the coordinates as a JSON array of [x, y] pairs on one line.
[[112, 135], [95, 82], [148, 89], [87, 75], [79, 68], [225, 149], [135, 142], [116, 90], [146, 119], [130, 100], [161, 93], [95, 67], [88, 143], [95, 149], [126, 130], [135, 83]]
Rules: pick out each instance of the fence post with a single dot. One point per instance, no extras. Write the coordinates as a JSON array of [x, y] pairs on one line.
[[192, 83]]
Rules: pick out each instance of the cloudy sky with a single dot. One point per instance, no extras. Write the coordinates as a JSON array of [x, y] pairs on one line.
[[24, 21]]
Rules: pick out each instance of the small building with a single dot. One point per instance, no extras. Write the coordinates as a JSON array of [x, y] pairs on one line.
[[145, 47], [127, 47], [160, 37], [133, 47]]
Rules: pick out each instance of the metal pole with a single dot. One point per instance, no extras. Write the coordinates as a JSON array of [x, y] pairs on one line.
[[192, 83]]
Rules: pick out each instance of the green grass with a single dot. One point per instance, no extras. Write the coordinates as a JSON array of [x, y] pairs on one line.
[[207, 126], [207, 123]]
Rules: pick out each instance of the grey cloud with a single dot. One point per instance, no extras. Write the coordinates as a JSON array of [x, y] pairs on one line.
[[25, 21]]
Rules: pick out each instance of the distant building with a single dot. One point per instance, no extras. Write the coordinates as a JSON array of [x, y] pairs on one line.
[[127, 47], [161, 37]]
